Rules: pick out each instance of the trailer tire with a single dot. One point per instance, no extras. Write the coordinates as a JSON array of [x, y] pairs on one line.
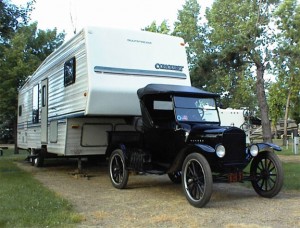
[[38, 161]]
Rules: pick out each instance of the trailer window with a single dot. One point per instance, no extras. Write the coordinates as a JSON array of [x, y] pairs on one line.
[[44, 95], [20, 110], [35, 104], [70, 71]]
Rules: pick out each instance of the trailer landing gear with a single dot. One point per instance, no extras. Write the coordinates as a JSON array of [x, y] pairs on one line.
[[79, 172]]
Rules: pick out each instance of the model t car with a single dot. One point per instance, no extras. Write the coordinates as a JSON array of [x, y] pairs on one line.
[[181, 136]]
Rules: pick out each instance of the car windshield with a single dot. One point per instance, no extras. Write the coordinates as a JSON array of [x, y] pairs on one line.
[[192, 109]]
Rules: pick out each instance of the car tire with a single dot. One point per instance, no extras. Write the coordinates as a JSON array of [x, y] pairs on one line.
[[117, 170], [267, 174], [197, 182]]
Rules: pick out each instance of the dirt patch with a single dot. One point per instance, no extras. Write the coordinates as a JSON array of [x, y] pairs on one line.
[[291, 158], [154, 201]]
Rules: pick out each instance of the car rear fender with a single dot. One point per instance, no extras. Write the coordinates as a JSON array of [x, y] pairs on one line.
[[113, 147]]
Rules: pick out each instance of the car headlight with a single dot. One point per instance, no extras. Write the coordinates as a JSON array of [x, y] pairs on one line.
[[254, 150], [220, 151]]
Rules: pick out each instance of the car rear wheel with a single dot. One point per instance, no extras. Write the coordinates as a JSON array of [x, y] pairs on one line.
[[197, 180], [267, 174], [117, 170]]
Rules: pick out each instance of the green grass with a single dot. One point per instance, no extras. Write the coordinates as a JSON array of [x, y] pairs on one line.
[[291, 176], [286, 150], [291, 169], [24, 202]]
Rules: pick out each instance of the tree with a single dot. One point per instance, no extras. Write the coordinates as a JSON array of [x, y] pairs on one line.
[[288, 54], [241, 31], [296, 110], [189, 28], [276, 102], [207, 68], [21, 53], [11, 17], [163, 28]]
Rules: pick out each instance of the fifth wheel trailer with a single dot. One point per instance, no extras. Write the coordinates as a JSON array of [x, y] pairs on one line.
[[88, 87]]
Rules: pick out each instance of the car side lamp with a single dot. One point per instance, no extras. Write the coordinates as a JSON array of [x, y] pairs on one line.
[[220, 151], [254, 150]]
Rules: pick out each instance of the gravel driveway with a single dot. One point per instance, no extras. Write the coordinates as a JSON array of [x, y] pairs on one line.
[[154, 201]]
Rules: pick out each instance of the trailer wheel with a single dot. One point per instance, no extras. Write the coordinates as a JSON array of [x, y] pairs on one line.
[[36, 157], [38, 161], [117, 170], [197, 180], [267, 173]]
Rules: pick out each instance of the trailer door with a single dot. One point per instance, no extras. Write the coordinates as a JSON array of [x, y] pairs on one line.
[[44, 112]]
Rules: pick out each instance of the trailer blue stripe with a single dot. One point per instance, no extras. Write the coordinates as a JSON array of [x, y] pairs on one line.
[[115, 70]]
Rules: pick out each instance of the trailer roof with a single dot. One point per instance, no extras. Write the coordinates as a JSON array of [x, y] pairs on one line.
[[152, 89]]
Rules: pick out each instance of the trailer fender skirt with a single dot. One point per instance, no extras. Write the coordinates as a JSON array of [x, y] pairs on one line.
[[268, 146]]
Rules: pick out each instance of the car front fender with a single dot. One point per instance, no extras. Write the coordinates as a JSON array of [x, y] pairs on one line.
[[178, 161], [206, 148], [268, 147]]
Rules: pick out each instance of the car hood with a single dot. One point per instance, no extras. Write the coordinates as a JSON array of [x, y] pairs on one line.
[[214, 131]]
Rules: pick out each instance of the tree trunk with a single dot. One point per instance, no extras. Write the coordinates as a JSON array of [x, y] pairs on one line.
[[15, 135], [264, 109], [286, 115]]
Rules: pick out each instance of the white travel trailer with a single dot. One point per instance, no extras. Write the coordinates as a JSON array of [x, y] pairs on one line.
[[88, 87]]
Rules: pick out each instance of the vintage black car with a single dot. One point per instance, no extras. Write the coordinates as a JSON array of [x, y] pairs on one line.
[[179, 134]]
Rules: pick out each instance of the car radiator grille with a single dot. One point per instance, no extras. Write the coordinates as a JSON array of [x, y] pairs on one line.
[[234, 141]]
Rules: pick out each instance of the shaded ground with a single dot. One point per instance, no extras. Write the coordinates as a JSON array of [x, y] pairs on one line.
[[154, 201]]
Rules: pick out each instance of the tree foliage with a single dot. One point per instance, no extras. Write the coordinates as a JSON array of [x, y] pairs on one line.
[[12, 17], [163, 28], [23, 48], [276, 102], [26, 50], [189, 28], [245, 39], [287, 59], [238, 46]]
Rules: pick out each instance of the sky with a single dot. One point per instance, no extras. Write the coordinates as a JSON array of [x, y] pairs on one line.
[[68, 15]]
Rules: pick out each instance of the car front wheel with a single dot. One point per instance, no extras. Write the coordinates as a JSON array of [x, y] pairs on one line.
[[117, 170], [197, 180], [267, 174]]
